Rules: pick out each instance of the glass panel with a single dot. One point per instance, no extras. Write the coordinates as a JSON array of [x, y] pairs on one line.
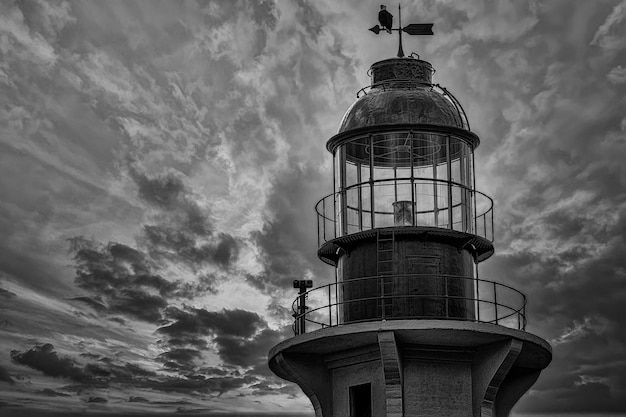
[[351, 174], [352, 210], [365, 203]]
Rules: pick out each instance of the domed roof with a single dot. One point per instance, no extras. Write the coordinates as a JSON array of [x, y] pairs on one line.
[[402, 93]]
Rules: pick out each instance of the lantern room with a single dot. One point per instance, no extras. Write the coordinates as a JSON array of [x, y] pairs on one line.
[[405, 225]]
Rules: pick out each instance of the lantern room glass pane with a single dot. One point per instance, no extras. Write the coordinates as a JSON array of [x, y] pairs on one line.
[[403, 179]]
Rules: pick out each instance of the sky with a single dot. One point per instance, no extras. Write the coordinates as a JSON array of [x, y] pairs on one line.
[[160, 161]]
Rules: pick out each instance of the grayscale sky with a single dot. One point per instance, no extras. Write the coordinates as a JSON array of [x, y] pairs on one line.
[[160, 161]]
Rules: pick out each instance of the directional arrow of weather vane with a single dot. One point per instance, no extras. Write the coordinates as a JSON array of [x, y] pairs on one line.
[[412, 29]]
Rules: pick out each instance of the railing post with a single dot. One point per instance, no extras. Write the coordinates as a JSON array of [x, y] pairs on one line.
[[301, 285], [381, 285], [495, 301], [336, 299], [484, 225], [447, 300], [319, 242], [330, 313], [324, 221], [302, 312]]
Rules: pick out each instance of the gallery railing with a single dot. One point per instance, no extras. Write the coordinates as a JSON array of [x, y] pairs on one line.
[[409, 297], [431, 202]]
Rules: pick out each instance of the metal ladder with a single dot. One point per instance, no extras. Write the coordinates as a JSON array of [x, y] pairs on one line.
[[385, 257]]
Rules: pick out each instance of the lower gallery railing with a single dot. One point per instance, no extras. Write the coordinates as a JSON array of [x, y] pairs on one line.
[[409, 297]]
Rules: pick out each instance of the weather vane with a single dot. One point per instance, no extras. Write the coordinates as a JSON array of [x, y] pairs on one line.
[[386, 22]]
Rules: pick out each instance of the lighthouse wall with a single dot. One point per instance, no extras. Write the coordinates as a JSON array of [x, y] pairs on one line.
[[423, 280]]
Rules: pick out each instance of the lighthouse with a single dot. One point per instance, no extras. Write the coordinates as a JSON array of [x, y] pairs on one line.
[[408, 327]]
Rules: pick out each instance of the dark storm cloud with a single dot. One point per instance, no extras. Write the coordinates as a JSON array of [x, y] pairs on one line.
[[192, 321], [6, 293], [289, 246], [242, 337], [180, 359], [44, 358], [576, 300], [168, 193], [119, 274], [196, 383], [138, 400], [125, 282], [180, 230], [94, 302], [103, 374], [247, 352], [164, 191], [95, 399], [4, 376], [178, 245]]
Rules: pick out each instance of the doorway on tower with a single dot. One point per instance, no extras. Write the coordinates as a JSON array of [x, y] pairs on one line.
[[423, 288], [361, 400]]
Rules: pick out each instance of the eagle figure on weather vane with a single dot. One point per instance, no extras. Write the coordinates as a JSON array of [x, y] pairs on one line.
[[386, 22]]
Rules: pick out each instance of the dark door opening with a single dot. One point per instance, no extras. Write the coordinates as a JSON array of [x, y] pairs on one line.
[[361, 400]]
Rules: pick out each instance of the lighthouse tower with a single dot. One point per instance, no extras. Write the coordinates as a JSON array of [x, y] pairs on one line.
[[408, 328]]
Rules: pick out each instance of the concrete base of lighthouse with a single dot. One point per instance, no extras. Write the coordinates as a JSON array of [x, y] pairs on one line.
[[412, 368]]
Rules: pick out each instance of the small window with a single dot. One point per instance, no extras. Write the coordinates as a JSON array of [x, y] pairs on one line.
[[361, 400]]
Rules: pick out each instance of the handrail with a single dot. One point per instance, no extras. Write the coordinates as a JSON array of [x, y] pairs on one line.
[[484, 304], [480, 223]]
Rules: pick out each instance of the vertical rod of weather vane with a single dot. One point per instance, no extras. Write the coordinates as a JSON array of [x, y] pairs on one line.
[[400, 51]]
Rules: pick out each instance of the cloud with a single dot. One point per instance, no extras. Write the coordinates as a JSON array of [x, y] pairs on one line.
[[125, 281], [605, 36], [137, 400], [589, 326], [241, 337], [239, 323], [617, 75], [180, 358], [4, 376], [44, 358], [52, 393], [30, 44], [95, 399], [247, 352], [6, 293], [590, 379], [182, 230]]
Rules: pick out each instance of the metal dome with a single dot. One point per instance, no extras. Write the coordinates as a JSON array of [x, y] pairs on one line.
[[402, 93]]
